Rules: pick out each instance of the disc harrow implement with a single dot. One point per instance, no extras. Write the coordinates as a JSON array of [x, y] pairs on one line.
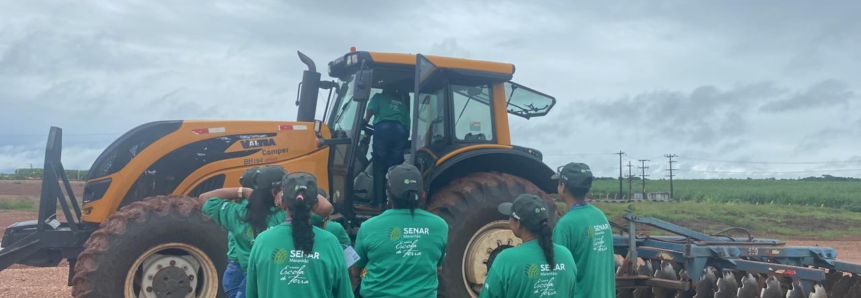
[[691, 264]]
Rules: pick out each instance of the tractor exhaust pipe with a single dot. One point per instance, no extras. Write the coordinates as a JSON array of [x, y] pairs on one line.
[[308, 89]]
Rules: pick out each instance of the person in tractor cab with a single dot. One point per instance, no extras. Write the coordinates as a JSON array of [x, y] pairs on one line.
[[536, 268], [585, 231], [390, 111], [403, 248], [245, 219], [295, 258]]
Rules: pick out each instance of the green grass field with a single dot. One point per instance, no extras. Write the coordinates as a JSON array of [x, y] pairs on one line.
[[781, 221], [836, 194]]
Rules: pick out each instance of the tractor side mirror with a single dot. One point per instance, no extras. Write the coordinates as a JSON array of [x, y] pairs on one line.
[[364, 80]]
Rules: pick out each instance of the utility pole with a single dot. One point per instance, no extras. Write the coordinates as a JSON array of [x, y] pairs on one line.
[[629, 180], [620, 172], [643, 176], [670, 156]]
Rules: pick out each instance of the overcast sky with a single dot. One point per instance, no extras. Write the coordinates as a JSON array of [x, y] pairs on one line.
[[767, 83]]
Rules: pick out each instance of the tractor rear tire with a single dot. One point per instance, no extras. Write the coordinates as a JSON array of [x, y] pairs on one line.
[[115, 257], [469, 206]]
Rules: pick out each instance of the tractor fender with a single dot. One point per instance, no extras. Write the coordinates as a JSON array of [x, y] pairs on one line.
[[522, 162]]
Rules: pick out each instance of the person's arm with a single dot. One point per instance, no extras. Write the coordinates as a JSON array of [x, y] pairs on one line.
[[358, 267], [324, 208], [493, 284], [343, 283], [225, 194]]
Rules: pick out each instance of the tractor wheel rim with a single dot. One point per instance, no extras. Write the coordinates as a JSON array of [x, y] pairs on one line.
[[479, 249], [204, 281]]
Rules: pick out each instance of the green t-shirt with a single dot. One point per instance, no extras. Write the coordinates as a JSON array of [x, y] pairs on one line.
[[231, 242], [338, 230], [229, 216], [332, 227], [401, 253], [389, 108], [523, 271], [277, 269], [586, 232]]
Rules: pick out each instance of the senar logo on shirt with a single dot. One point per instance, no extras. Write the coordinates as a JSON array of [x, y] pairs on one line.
[[279, 255], [395, 234], [532, 271]]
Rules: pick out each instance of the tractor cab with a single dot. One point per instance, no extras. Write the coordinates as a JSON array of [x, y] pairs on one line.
[[461, 105]]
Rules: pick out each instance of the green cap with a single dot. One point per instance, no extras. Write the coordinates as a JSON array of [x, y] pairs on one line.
[[529, 209], [403, 179], [299, 187], [577, 175], [245, 180]]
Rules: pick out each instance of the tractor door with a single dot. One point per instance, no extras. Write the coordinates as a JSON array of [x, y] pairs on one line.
[[430, 110]]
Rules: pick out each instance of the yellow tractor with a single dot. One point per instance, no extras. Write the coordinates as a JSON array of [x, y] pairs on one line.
[[139, 233]]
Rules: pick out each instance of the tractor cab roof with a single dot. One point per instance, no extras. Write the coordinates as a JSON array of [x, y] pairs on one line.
[[352, 61]]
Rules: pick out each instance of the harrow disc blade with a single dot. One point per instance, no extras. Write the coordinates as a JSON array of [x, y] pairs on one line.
[[818, 292], [749, 287], [772, 289], [842, 287], [727, 286], [666, 272], [855, 291], [797, 290], [831, 278], [707, 284], [683, 276]]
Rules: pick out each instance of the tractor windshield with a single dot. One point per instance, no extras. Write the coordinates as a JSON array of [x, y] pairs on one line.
[[344, 109], [525, 102]]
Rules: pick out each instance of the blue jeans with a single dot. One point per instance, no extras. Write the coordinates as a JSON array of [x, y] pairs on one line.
[[390, 141], [233, 280]]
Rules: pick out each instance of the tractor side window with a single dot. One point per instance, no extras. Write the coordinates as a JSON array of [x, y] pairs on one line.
[[473, 117], [431, 124]]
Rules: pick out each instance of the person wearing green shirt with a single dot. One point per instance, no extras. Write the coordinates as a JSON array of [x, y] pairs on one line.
[[585, 231], [403, 248], [246, 219], [232, 280], [295, 258], [333, 227], [391, 114], [536, 268]]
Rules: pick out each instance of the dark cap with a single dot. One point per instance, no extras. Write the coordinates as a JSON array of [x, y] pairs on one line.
[[299, 187], [267, 177], [245, 180], [577, 175], [322, 192], [402, 179], [529, 209]]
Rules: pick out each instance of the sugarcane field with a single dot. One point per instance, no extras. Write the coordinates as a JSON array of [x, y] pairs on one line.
[[480, 149]]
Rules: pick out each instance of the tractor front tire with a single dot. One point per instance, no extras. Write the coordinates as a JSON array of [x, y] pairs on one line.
[[158, 247], [477, 231]]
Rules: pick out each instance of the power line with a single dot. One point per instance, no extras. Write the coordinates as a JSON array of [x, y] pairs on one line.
[[774, 162], [620, 171], [670, 156], [643, 175]]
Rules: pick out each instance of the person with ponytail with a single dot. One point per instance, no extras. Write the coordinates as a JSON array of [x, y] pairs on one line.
[[536, 268], [295, 258], [403, 248], [245, 212]]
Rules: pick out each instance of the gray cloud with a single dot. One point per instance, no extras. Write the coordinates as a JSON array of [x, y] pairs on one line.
[[649, 78], [828, 93]]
